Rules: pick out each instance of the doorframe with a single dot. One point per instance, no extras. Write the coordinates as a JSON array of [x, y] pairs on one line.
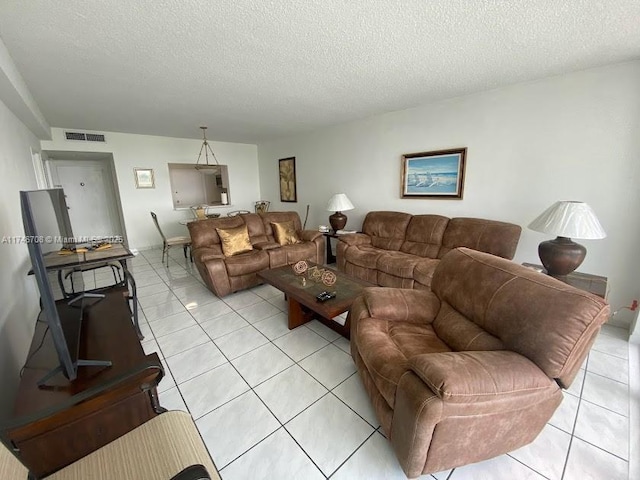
[[49, 157]]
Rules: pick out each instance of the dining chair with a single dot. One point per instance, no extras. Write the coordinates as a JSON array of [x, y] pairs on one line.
[[167, 243], [262, 206], [237, 212]]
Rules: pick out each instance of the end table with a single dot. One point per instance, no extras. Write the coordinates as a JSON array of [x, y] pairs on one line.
[[584, 281], [331, 258]]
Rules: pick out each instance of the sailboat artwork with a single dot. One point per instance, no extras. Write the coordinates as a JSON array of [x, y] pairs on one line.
[[433, 174]]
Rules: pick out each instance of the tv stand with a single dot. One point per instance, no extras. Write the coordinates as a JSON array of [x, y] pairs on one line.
[[54, 426], [84, 295], [80, 363]]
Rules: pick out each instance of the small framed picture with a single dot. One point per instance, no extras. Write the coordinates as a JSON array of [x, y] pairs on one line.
[[144, 177], [287, 169], [437, 174]]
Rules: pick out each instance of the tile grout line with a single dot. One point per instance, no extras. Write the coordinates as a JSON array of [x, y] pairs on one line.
[[332, 391], [328, 391]]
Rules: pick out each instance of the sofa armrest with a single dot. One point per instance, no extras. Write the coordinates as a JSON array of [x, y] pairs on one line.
[[266, 245], [479, 376], [309, 235], [418, 306], [202, 254], [353, 239]]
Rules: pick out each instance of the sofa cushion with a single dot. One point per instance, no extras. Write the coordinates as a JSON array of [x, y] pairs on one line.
[[278, 217], [423, 272], [234, 240], [424, 235], [285, 233], [398, 264], [246, 263], [290, 254], [386, 347], [364, 256], [490, 236], [386, 229], [461, 334], [255, 226]]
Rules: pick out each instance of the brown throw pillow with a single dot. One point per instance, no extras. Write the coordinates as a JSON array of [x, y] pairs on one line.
[[285, 233], [234, 240]]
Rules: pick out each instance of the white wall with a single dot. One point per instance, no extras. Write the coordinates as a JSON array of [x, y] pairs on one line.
[[572, 137], [18, 295], [130, 151]]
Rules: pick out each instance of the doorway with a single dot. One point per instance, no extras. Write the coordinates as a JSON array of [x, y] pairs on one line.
[[90, 192]]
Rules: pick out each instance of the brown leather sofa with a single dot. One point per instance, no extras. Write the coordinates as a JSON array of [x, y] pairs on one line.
[[397, 249], [224, 275], [474, 368]]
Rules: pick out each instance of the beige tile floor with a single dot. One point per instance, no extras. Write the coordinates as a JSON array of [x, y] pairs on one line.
[[273, 403]]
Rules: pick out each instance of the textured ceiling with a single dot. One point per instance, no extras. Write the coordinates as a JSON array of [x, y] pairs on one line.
[[253, 70]]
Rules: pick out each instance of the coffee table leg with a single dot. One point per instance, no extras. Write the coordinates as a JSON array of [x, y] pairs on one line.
[[298, 315]]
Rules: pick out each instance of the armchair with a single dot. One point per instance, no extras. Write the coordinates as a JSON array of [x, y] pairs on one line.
[[474, 367]]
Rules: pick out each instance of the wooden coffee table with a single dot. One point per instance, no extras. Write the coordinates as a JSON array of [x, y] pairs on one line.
[[303, 305]]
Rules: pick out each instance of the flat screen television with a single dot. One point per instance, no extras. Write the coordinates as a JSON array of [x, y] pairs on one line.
[[47, 229]]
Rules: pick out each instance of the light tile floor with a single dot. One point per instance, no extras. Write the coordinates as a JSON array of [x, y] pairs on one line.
[[273, 403]]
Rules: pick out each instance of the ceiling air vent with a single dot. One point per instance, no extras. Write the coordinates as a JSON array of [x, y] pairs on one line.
[[84, 137]]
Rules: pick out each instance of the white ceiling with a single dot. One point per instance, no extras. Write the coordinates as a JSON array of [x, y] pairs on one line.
[[255, 69]]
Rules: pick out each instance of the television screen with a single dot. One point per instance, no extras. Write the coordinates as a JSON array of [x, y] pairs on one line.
[[47, 230], [50, 239]]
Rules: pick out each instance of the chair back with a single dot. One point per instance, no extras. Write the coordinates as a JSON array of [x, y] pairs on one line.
[[237, 212], [155, 220], [549, 322], [199, 212], [262, 206]]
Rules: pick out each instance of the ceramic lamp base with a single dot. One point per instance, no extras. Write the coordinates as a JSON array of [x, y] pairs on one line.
[[561, 256], [338, 220]]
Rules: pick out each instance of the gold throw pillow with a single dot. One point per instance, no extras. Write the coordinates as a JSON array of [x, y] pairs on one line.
[[285, 233], [234, 240]]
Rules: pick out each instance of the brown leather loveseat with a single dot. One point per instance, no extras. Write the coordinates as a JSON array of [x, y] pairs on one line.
[[397, 249], [474, 368], [226, 274]]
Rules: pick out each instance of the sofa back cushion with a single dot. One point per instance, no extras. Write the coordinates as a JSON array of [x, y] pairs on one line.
[[255, 227], [490, 236], [386, 229], [535, 315], [278, 217], [424, 235], [203, 232]]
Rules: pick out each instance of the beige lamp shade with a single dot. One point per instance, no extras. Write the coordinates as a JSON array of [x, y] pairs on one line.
[[338, 203], [569, 219]]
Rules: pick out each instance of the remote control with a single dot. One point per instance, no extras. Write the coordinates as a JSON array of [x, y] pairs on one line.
[[324, 296]]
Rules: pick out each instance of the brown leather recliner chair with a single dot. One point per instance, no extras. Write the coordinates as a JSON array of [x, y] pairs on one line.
[[474, 367]]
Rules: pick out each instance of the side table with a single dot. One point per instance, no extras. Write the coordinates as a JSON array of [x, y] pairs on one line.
[[331, 258], [584, 281]]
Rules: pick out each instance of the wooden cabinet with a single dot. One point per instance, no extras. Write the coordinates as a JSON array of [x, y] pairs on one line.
[[53, 426]]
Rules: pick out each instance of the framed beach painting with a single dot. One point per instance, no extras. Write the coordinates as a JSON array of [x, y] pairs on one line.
[[437, 174], [144, 178], [287, 169]]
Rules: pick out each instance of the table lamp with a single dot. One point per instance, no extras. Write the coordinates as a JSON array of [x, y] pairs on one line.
[[567, 220], [338, 203]]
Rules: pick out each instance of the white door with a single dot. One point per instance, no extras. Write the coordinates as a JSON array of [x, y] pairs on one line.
[[90, 197]]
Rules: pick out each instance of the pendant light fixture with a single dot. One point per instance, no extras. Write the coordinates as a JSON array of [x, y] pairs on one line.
[[206, 148]]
